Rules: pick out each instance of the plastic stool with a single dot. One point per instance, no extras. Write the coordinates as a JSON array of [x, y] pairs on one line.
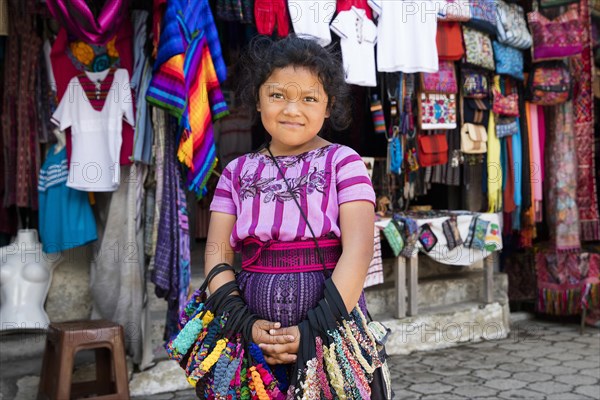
[[64, 340]]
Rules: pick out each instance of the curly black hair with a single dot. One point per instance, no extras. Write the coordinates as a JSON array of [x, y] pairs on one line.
[[263, 55]]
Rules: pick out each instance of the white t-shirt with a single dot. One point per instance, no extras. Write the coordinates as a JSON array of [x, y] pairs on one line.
[[358, 36], [406, 35], [312, 18], [95, 135]]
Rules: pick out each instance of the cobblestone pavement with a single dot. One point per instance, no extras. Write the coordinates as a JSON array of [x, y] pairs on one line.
[[539, 360]]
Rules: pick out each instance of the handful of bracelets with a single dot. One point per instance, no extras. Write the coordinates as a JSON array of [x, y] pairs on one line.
[[337, 354]]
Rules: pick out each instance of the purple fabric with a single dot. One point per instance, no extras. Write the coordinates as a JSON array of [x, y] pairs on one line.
[[184, 248], [164, 275], [284, 298], [252, 188], [78, 20]]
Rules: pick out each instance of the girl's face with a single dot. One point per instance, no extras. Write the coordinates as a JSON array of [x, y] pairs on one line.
[[293, 107]]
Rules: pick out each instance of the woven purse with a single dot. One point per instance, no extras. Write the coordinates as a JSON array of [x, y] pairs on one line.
[[557, 38]]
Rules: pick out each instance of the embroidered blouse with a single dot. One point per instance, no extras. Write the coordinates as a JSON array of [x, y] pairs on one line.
[[322, 179]]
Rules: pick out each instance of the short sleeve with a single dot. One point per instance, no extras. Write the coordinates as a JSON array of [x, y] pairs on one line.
[[62, 116], [127, 96], [375, 6], [338, 25], [223, 197], [352, 180]]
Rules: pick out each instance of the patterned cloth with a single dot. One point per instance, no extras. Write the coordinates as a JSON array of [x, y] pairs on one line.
[[567, 282], [561, 165], [182, 84], [583, 109], [78, 19], [198, 19], [252, 188], [167, 256], [375, 272], [19, 115]]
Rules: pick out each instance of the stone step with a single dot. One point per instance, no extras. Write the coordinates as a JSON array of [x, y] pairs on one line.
[[446, 326], [438, 291]]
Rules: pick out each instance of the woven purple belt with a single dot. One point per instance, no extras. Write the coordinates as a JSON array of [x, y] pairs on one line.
[[275, 257]]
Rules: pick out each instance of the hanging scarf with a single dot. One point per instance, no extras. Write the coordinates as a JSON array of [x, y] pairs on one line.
[[528, 217], [184, 78], [508, 177], [78, 19], [563, 215], [517, 169], [583, 109], [526, 185], [536, 160], [494, 170]]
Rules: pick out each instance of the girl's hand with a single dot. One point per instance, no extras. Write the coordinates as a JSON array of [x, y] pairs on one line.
[[283, 347]]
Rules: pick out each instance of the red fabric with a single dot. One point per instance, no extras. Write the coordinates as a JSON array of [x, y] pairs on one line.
[[583, 110], [269, 13], [433, 150], [449, 41], [64, 70], [345, 5], [158, 11]]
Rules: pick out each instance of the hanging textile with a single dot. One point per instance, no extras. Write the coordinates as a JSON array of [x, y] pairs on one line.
[[19, 116], [159, 123], [494, 170], [117, 277], [78, 19], [536, 160], [140, 80], [64, 69], [184, 78], [562, 212], [171, 273], [567, 282], [3, 17], [189, 18], [583, 108]]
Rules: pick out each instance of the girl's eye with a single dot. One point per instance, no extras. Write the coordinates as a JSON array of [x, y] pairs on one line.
[[310, 99], [277, 95]]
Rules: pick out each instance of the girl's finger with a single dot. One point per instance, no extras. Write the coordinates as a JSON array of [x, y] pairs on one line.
[[267, 325], [273, 339]]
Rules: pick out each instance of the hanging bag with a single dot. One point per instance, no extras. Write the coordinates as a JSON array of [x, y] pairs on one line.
[[449, 41], [478, 49], [506, 126], [443, 81], [507, 106], [549, 83], [512, 26], [509, 61], [474, 84], [432, 150], [437, 111], [483, 16], [475, 111], [473, 139], [557, 38]]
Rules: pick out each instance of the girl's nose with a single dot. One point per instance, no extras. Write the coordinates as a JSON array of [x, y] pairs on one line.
[[291, 108]]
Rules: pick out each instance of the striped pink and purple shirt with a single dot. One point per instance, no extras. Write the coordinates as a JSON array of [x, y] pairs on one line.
[[252, 188]]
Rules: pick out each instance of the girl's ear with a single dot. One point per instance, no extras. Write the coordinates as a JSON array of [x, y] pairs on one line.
[[258, 107]]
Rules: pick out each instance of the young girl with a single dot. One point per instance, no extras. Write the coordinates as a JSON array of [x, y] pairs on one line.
[[297, 205]]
